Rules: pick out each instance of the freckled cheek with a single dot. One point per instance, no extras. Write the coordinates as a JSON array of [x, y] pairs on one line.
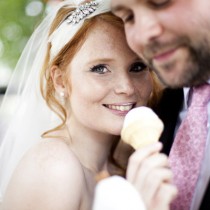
[[83, 104], [90, 94], [144, 86]]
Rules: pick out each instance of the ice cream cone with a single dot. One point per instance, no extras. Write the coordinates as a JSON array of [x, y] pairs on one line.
[[141, 127]]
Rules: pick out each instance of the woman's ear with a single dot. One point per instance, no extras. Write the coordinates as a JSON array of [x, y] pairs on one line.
[[58, 80]]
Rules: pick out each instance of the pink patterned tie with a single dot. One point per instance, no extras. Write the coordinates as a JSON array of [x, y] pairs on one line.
[[187, 151]]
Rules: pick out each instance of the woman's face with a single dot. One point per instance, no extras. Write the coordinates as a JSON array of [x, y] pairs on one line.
[[107, 80]]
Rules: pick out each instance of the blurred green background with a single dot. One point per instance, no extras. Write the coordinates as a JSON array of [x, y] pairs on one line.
[[18, 19]]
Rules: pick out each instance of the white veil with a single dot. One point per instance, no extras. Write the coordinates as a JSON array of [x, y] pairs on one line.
[[24, 118]]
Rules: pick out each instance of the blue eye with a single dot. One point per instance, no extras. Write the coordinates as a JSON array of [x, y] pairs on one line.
[[100, 69], [138, 67]]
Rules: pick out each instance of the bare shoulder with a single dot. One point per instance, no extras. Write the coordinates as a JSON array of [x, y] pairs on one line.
[[48, 177], [54, 158], [53, 154]]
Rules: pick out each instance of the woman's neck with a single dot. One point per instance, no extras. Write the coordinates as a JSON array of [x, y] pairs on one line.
[[91, 147]]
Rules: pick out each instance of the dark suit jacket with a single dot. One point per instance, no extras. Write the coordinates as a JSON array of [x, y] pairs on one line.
[[168, 110]]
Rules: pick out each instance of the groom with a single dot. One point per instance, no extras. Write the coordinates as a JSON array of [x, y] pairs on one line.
[[173, 37]]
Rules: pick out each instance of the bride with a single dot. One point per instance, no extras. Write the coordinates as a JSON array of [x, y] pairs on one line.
[[75, 82]]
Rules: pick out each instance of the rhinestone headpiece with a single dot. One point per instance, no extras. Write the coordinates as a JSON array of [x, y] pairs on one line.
[[73, 21], [81, 12]]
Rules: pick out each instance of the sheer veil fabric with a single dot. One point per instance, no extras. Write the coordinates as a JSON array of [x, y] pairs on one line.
[[26, 117]]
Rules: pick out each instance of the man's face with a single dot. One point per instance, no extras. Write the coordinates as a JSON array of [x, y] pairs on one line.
[[172, 36]]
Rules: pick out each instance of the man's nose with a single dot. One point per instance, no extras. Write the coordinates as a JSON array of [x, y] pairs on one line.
[[145, 28]]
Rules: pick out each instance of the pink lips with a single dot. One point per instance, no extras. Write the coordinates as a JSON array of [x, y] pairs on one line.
[[119, 113]]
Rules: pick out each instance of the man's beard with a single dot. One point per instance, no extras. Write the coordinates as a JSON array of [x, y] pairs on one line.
[[197, 70]]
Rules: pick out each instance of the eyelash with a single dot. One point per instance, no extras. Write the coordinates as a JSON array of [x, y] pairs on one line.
[[128, 18], [159, 5], [99, 69], [140, 65], [102, 69]]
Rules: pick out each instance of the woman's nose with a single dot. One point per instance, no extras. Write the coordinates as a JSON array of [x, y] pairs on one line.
[[124, 85]]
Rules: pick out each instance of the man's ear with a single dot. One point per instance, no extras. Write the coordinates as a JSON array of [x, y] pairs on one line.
[[58, 80]]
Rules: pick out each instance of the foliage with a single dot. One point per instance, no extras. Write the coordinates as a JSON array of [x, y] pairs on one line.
[[15, 28]]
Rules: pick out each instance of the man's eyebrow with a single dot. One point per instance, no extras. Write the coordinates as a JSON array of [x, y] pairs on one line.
[[117, 8]]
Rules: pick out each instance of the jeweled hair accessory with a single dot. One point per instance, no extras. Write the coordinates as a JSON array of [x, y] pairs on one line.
[[81, 12], [74, 21]]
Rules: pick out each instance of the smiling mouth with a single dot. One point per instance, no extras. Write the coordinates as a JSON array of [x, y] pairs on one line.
[[125, 107], [164, 55]]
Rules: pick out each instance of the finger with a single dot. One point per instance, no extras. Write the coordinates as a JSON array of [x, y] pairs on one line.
[[141, 169], [155, 161], [138, 157], [164, 196], [149, 187]]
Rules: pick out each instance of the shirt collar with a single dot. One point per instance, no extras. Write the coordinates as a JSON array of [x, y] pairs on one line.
[[187, 95]]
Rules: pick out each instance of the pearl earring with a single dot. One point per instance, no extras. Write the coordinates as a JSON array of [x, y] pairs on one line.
[[62, 98], [62, 94]]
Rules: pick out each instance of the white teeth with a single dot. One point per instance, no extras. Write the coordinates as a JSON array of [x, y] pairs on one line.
[[120, 108]]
